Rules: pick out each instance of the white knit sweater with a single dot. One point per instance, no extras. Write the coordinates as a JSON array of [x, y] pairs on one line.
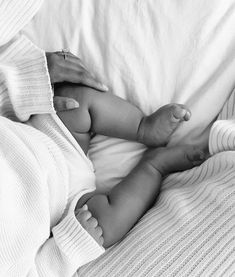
[[43, 171]]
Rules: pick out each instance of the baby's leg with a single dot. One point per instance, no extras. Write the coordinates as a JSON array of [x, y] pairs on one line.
[[77, 121], [109, 115], [156, 129], [120, 209], [101, 113]]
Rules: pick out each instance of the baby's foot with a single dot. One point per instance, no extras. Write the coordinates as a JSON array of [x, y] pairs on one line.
[[172, 159], [157, 128], [89, 223]]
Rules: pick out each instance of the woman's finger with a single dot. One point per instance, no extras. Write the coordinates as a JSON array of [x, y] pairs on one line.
[[71, 57], [75, 73], [85, 207], [87, 79], [70, 68], [64, 103]]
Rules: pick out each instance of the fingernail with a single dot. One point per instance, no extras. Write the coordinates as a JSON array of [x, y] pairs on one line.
[[72, 104], [76, 104], [85, 207], [104, 87]]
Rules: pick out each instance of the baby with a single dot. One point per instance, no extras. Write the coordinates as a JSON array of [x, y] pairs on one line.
[[108, 217]]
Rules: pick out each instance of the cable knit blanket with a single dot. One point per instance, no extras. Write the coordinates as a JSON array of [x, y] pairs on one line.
[[190, 231]]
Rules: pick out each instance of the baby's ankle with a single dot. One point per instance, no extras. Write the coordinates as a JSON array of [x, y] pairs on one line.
[[154, 169], [153, 161], [141, 130]]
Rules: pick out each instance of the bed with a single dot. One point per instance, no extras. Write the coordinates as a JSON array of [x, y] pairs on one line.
[[153, 52]]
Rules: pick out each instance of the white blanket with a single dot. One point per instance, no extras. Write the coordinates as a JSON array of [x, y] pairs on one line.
[[190, 231], [153, 52]]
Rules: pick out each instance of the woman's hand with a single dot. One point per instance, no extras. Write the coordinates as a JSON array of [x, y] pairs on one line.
[[66, 67]]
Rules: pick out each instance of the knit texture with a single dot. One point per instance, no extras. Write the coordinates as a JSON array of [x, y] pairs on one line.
[[39, 233], [190, 231], [24, 81], [14, 15]]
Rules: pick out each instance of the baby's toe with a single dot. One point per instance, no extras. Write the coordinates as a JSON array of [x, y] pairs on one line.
[[195, 155], [179, 113]]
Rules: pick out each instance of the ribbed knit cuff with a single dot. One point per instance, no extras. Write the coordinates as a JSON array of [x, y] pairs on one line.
[[24, 67], [75, 242], [222, 136], [36, 95]]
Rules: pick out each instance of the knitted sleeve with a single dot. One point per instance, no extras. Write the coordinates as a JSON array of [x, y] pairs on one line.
[[25, 90], [14, 15], [70, 248], [24, 252], [24, 80], [26, 247]]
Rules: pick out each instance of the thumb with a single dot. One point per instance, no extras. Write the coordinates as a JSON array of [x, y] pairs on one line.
[[64, 103]]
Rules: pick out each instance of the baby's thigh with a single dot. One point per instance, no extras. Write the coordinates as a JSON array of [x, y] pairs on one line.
[[76, 120], [77, 123]]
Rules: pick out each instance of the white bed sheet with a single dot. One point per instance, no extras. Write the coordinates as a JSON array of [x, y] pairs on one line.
[[150, 52]]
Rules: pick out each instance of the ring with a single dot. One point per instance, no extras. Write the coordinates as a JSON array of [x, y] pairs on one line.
[[65, 52]]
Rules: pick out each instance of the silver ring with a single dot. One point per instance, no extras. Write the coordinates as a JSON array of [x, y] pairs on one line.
[[65, 52]]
